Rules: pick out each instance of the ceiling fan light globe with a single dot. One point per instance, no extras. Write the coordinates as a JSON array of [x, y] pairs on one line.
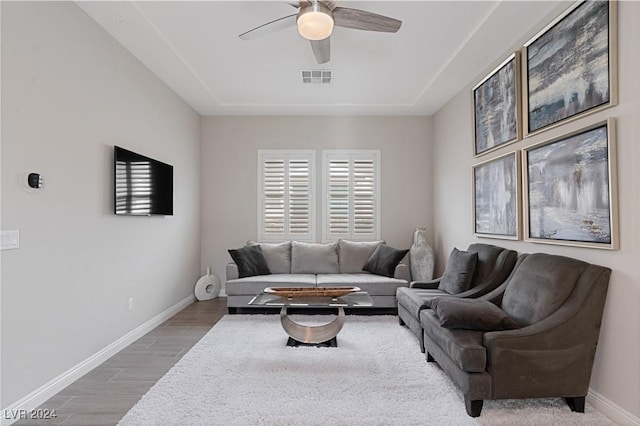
[[315, 24]]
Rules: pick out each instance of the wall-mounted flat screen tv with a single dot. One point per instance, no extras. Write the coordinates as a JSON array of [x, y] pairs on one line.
[[143, 186]]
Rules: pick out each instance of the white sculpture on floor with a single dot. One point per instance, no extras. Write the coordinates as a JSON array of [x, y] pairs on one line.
[[208, 286], [421, 257]]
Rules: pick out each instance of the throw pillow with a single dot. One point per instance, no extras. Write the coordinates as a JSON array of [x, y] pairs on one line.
[[314, 258], [354, 254], [471, 314], [250, 261], [384, 260], [277, 255], [459, 271]]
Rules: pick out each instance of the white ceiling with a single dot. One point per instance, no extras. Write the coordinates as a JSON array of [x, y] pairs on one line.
[[193, 46]]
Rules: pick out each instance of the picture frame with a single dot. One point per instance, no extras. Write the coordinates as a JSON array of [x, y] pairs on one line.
[[570, 67], [570, 187], [497, 107], [497, 194]]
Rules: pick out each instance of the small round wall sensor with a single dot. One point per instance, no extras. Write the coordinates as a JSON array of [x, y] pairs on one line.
[[34, 180], [31, 182]]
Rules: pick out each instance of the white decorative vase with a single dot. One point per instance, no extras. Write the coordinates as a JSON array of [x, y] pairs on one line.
[[421, 256], [208, 286]]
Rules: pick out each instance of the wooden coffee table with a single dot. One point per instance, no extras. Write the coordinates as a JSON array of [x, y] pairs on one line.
[[312, 335]]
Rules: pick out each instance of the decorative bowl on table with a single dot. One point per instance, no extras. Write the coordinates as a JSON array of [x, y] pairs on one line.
[[310, 291]]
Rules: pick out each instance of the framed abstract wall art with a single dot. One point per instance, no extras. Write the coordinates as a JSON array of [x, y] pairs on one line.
[[496, 107], [496, 197], [570, 189], [571, 66]]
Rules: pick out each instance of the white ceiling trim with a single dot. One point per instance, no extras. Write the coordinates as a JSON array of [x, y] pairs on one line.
[[181, 53]]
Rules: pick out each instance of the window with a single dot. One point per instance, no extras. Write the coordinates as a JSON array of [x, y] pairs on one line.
[[351, 202], [285, 199]]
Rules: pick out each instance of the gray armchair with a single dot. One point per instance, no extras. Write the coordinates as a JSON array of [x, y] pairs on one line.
[[493, 266], [558, 303]]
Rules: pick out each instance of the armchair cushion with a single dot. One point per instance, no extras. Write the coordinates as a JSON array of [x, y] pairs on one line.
[[459, 271], [250, 261], [384, 260], [415, 299], [464, 347], [471, 314]]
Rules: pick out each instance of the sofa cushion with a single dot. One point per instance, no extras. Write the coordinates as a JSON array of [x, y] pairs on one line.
[[539, 286], [254, 285], [250, 261], [277, 255], [464, 347], [384, 260], [314, 258], [375, 285], [471, 314], [354, 254], [458, 272], [416, 299]]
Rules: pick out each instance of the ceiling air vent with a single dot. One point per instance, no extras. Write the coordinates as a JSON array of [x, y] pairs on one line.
[[316, 76]]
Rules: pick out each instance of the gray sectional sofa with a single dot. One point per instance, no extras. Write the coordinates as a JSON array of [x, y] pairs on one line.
[[299, 264]]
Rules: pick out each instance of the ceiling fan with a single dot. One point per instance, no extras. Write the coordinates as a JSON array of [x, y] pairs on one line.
[[315, 21]]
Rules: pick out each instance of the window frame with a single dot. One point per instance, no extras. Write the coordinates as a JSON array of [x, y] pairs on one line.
[[287, 155], [352, 155]]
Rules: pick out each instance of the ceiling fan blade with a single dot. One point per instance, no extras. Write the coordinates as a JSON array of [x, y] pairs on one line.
[[270, 27], [363, 20], [322, 50]]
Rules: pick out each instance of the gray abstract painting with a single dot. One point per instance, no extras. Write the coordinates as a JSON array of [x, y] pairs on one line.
[[495, 109], [568, 185], [568, 66], [496, 201]]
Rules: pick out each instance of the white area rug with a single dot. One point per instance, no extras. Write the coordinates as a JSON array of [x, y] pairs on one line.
[[241, 373]]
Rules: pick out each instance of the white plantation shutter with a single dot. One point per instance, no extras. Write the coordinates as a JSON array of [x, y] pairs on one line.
[[285, 205], [351, 202], [273, 198]]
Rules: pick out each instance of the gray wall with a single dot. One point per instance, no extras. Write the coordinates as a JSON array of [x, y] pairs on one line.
[[229, 172], [69, 93], [616, 374]]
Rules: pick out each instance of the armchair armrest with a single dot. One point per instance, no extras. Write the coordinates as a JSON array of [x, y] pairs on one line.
[[431, 284], [547, 357], [232, 271], [402, 272]]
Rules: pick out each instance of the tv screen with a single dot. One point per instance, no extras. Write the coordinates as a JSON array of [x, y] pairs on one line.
[[143, 186]]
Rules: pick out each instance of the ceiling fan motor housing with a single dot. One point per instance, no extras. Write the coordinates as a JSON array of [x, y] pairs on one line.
[[315, 21]]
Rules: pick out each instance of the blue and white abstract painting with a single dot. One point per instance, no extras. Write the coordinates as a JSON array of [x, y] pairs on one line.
[[568, 189], [495, 109], [496, 197], [568, 66]]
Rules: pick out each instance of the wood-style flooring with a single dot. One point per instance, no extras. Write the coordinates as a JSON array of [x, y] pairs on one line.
[[104, 395]]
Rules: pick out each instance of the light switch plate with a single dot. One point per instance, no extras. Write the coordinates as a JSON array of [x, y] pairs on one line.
[[10, 240]]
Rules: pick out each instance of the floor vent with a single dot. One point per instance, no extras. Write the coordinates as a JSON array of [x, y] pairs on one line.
[[316, 76]]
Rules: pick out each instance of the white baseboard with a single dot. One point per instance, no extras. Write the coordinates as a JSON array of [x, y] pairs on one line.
[[613, 411], [12, 413]]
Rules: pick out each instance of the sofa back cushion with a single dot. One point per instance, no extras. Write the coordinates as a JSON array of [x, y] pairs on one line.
[[539, 286], [353, 255], [314, 258], [277, 255]]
